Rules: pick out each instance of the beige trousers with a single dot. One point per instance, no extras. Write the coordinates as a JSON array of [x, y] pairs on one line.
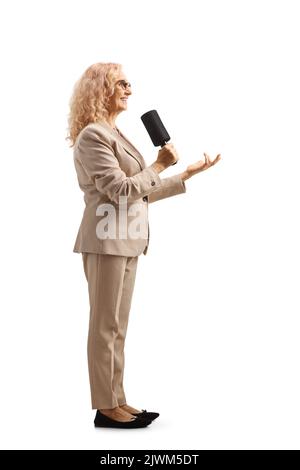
[[110, 283]]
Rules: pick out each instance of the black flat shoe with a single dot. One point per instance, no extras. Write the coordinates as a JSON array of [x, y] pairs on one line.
[[144, 414], [103, 421]]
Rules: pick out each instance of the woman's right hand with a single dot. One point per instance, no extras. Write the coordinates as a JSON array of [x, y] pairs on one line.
[[199, 166]]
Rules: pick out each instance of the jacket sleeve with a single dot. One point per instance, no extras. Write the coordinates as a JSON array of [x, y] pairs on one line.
[[169, 187], [102, 166]]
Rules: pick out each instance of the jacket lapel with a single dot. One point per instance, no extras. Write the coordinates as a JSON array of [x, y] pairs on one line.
[[125, 143], [129, 147]]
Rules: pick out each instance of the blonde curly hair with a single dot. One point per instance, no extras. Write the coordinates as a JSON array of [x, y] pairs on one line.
[[90, 97]]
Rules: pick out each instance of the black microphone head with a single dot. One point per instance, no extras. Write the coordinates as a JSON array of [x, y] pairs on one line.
[[155, 128]]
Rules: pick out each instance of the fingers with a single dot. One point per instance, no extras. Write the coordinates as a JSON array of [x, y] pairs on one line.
[[207, 160], [218, 157], [210, 162]]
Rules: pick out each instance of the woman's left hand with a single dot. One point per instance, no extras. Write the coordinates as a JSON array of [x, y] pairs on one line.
[[200, 166]]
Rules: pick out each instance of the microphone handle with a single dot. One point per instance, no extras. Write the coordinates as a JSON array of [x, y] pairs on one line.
[[162, 147]]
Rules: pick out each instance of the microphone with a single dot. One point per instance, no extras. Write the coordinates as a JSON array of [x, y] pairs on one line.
[[155, 128]]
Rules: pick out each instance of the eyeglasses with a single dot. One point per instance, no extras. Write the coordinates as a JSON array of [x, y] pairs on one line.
[[124, 84]]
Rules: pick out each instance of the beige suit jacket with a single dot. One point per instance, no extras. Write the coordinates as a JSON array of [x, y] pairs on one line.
[[108, 167]]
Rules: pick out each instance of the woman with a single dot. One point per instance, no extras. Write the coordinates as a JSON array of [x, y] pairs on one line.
[[114, 231]]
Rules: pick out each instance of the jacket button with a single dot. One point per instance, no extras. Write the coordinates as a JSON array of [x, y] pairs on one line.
[[152, 183], [145, 198]]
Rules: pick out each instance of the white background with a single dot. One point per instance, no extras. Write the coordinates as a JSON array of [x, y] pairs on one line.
[[213, 336]]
